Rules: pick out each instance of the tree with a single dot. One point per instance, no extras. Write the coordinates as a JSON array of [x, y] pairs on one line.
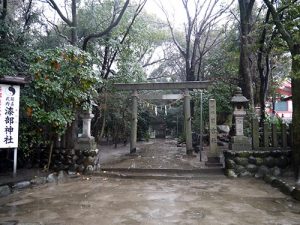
[[198, 39], [62, 81], [246, 20], [288, 27], [16, 28], [72, 23]]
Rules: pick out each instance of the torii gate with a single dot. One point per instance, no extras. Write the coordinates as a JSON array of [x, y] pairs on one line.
[[185, 86]]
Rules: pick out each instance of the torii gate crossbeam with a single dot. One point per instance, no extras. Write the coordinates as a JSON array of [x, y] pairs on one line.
[[186, 86]]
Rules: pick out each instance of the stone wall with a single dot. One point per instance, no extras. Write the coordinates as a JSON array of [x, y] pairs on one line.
[[73, 160], [256, 163]]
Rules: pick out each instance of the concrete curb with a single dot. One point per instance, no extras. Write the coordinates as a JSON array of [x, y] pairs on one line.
[[11, 187], [283, 186]]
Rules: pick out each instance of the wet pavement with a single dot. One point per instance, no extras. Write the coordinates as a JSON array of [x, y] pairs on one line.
[[127, 201], [104, 200], [155, 154]]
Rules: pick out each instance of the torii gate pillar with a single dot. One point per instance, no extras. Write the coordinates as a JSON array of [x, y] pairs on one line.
[[133, 134], [188, 122]]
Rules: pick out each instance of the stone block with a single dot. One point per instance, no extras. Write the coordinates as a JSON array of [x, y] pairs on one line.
[[38, 180], [230, 173], [269, 162], [230, 164], [240, 146], [4, 190], [268, 178], [286, 188], [296, 193], [86, 144], [251, 168], [21, 185], [252, 160], [275, 171], [259, 161], [241, 161], [246, 174], [282, 162], [62, 176], [244, 154], [239, 169], [52, 178], [262, 171]]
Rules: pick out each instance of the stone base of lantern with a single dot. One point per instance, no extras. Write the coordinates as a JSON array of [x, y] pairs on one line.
[[86, 143], [240, 143]]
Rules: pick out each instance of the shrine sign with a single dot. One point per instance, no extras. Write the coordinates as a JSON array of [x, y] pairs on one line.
[[9, 115]]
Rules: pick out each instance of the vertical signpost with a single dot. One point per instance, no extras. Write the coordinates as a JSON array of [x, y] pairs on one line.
[[9, 115]]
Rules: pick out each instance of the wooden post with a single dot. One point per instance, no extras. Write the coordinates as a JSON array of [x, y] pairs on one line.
[[15, 162], [255, 134], [133, 122], [274, 136], [266, 134], [284, 135], [291, 134]]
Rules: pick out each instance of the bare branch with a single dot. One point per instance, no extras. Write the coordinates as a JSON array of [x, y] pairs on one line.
[[137, 12], [57, 30], [53, 4], [113, 24], [285, 34], [180, 48]]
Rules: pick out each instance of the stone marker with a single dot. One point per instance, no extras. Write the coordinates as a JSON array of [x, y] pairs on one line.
[[213, 148]]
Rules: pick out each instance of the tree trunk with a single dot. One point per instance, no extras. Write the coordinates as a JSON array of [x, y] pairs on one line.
[[74, 24], [296, 107], [263, 68], [2, 20], [245, 64], [50, 154]]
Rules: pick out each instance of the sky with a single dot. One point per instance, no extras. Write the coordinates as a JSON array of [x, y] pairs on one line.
[[174, 9]]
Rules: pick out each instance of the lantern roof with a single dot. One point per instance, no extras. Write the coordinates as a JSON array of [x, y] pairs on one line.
[[238, 97]]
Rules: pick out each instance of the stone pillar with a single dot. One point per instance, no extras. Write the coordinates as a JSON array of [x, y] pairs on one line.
[[86, 141], [133, 122], [86, 124], [188, 122], [255, 133], [213, 148]]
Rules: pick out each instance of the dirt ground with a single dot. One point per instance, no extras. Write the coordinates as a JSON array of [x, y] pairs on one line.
[[106, 201]]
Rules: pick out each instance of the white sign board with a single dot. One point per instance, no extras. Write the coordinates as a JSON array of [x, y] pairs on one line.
[[9, 115]]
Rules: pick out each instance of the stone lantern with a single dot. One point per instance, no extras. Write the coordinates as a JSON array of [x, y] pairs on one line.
[[239, 141], [86, 141]]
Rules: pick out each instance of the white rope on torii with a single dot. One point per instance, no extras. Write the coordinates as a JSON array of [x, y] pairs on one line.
[[143, 99]]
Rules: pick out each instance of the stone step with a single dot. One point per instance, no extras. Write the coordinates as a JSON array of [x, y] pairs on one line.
[[214, 165], [182, 174]]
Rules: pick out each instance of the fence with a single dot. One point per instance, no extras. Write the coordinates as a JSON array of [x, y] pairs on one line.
[[271, 135]]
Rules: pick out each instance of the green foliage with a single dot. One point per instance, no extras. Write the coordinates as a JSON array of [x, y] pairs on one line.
[[143, 125], [17, 35], [222, 93], [62, 82]]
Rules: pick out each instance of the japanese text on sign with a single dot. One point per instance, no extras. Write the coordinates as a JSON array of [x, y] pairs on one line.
[[9, 115]]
